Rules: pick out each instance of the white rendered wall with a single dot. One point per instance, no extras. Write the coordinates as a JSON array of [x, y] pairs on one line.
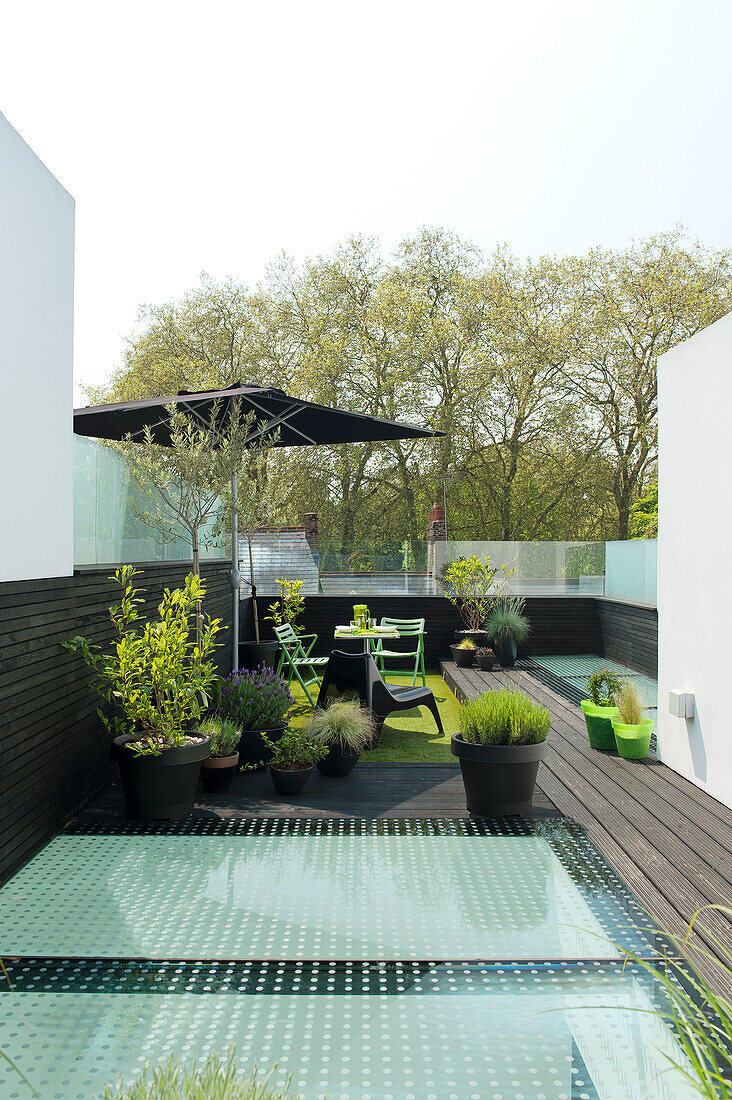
[[36, 334], [694, 556]]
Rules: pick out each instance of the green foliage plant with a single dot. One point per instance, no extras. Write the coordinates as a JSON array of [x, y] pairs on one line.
[[215, 1079], [468, 584], [157, 677], [506, 620], [602, 687], [466, 643], [256, 699], [288, 608], [223, 735], [630, 704], [504, 717], [347, 725], [295, 750]]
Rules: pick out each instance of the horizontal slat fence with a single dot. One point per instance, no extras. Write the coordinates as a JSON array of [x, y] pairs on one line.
[[630, 634], [54, 752]]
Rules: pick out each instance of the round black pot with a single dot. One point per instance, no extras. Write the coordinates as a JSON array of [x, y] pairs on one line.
[[505, 650], [157, 787], [253, 654], [290, 782], [486, 661], [253, 750], [217, 773], [498, 779], [337, 762], [463, 658]]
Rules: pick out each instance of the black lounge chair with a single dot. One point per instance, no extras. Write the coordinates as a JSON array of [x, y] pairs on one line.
[[356, 674]]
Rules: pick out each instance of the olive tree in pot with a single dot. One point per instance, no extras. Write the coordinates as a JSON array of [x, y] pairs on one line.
[[218, 771], [293, 758], [468, 584], [507, 627], [258, 702], [346, 730], [159, 682], [599, 708], [502, 738]]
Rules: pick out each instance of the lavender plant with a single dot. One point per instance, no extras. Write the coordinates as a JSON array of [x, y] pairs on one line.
[[256, 699]]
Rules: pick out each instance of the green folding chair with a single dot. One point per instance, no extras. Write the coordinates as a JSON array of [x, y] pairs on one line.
[[406, 628], [297, 658]]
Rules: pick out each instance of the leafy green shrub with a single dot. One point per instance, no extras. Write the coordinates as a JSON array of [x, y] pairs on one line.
[[158, 680], [214, 1080], [506, 620], [344, 724], [630, 705], [504, 717], [602, 687], [256, 699], [223, 734], [468, 584], [290, 605], [295, 750]]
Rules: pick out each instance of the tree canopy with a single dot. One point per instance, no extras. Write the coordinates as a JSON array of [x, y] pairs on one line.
[[541, 374]]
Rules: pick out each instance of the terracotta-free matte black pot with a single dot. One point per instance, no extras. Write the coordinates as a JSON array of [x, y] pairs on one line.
[[218, 772], [290, 782], [463, 658], [157, 787], [505, 650], [252, 749], [337, 762], [253, 654], [498, 779], [486, 661]]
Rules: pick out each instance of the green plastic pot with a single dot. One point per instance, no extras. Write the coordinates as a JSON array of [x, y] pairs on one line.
[[599, 725], [633, 742]]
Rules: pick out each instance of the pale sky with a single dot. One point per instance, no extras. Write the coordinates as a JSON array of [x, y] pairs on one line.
[[212, 136]]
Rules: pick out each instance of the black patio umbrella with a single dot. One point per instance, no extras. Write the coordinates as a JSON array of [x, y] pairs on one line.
[[299, 424]]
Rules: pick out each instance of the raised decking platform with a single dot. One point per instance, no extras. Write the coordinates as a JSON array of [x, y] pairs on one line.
[[668, 840]]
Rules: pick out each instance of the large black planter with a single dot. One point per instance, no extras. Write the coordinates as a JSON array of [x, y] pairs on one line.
[[253, 750], [253, 654], [498, 779], [290, 782], [218, 772], [505, 650], [463, 658], [337, 762], [159, 787]]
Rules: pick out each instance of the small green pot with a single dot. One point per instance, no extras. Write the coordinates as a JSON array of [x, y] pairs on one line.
[[633, 742], [599, 725]]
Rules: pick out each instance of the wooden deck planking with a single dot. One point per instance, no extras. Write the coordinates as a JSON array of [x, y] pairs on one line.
[[667, 839]]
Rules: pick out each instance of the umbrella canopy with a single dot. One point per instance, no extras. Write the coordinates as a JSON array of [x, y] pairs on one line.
[[299, 424]]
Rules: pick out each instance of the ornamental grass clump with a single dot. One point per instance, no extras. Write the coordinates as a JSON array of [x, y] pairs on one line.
[[466, 643], [506, 620], [346, 725], [504, 717], [256, 699], [215, 1079], [630, 704], [223, 734]]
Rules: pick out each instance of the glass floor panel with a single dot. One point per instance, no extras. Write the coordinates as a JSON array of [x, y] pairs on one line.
[[337, 891], [482, 1034], [575, 670]]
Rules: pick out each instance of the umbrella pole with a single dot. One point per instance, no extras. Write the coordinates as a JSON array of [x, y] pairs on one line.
[[235, 576]]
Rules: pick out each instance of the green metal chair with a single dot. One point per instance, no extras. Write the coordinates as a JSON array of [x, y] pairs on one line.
[[297, 658], [407, 628]]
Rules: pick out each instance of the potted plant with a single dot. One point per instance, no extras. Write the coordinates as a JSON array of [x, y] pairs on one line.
[[485, 658], [289, 607], [159, 682], [463, 654], [632, 731], [292, 759], [218, 771], [599, 708], [507, 627], [502, 738], [258, 702], [346, 730], [468, 585]]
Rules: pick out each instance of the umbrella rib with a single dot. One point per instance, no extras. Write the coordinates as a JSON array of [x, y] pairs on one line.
[[276, 421]]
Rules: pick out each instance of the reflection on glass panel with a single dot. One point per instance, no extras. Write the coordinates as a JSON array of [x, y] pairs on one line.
[[631, 570]]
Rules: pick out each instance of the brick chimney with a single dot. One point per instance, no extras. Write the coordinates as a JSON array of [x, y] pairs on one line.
[[435, 535]]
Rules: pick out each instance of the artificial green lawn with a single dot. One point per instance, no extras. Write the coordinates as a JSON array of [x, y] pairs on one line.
[[408, 736]]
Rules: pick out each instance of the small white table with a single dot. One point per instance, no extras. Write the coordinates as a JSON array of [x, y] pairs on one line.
[[344, 632]]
